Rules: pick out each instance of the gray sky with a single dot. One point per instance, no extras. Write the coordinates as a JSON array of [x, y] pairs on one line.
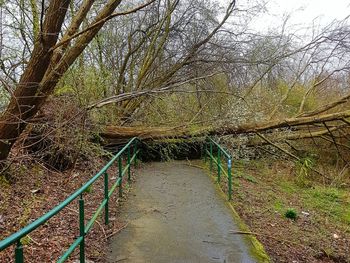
[[303, 12]]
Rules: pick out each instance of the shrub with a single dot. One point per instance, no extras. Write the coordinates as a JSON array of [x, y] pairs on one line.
[[291, 214]]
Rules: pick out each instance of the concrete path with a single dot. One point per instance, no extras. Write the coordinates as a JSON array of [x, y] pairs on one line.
[[174, 214]]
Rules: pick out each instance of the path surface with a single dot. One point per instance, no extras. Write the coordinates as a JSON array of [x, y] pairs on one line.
[[174, 214]]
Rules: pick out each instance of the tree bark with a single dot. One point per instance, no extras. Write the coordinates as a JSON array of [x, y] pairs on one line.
[[286, 123], [22, 104], [119, 134], [45, 70]]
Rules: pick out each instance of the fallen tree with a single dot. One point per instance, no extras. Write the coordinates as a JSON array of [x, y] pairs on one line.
[[118, 134], [54, 52]]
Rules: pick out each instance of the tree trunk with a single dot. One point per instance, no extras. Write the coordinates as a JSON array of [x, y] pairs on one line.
[[22, 105], [116, 134], [39, 79]]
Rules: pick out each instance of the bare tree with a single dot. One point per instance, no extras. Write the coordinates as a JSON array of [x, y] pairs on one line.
[[49, 60]]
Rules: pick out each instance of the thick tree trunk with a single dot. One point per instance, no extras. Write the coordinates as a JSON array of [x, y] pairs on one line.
[[22, 104], [45, 70], [285, 123], [115, 134]]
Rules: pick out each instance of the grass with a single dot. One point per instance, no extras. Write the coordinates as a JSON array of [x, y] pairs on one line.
[[288, 187], [328, 201], [269, 194], [278, 206], [332, 202], [247, 177]]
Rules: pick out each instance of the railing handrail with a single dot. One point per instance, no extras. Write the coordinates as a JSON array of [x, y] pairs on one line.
[[227, 155], [12, 239]]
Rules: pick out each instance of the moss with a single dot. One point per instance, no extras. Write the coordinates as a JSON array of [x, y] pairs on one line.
[[257, 250], [4, 182], [66, 89], [28, 204], [89, 189]]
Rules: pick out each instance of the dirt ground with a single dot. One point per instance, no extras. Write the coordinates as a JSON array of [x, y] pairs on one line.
[[34, 191]]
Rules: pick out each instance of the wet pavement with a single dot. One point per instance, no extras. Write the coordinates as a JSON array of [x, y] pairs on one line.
[[174, 214]]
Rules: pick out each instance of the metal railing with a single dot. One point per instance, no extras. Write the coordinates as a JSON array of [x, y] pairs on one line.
[[83, 229], [220, 152]]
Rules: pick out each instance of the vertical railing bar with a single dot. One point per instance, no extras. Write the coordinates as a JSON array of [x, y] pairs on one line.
[[229, 172], [19, 252], [219, 165], [106, 198], [211, 155], [82, 229], [135, 152], [120, 169], [129, 168]]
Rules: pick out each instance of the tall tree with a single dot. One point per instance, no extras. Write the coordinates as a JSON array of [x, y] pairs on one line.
[[49, 60]]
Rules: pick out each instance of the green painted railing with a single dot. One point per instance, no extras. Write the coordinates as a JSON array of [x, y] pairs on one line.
[[221, 154], [83, 229]]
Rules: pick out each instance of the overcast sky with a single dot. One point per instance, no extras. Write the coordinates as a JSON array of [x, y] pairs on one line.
[[303, 12]]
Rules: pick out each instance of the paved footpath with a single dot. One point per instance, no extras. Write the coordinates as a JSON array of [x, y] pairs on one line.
[[174, 214]]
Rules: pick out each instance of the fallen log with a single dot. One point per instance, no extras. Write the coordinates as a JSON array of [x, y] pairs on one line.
[[285, 123], [118, 134], [294, 136]]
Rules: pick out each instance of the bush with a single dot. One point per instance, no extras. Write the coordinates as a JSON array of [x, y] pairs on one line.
[[291, 214]]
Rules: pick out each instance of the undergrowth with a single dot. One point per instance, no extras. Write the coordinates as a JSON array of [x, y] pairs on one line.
[[289, 201]]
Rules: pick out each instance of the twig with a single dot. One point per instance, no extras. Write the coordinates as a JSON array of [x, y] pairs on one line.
[[194, 165], [35, 242], [121, 259], [103, 230], [99, 23], [211, 242], [289, 154], [338, 143], [117, 231], [278, 147], [334, 141], [7, 166]]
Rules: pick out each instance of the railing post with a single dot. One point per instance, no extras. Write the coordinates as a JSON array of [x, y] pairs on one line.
[[135, 153], [219, 164], [120, 176], [129, 174], [205, 150], [106, 198], [229, 172], [82, 229], [211, 155], [19, 252]]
